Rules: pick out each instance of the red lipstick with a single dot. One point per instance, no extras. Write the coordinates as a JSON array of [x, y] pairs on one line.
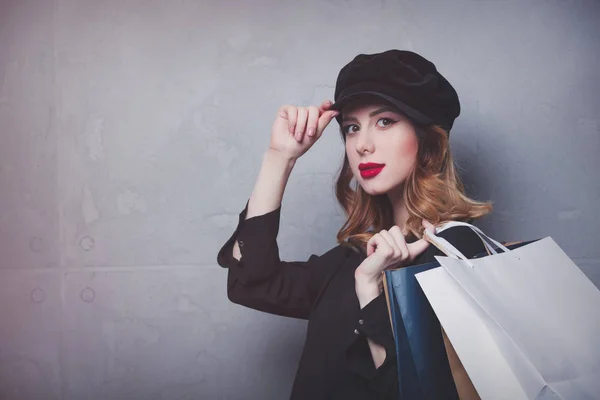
[[370, 170]]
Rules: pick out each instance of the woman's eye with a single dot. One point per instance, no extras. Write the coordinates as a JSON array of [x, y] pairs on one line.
[[348, 129], [385, 122]]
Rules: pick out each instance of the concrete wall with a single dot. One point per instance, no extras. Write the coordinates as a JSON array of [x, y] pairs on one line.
[[132, 132]]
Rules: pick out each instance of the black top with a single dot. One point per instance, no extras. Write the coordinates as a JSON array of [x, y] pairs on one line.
[[336, 362]]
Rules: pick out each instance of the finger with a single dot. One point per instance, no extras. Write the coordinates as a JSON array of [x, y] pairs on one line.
[[324, 120], [377, 243], [428, 226], [301, 123], [372, 245], [416, 248], [292, 117], [386, 235], [399, 239], [313, 119], [325, 106], [282, 112], [395, 250]]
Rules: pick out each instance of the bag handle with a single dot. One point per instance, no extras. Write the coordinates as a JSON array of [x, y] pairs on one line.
[[447, 248], [488, 241]]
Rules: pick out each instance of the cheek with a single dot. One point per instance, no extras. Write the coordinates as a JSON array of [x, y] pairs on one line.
[[412, 148], [406, 148], [351, 155]]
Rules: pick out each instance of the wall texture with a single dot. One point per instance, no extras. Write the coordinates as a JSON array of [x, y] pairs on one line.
[[132, 132]]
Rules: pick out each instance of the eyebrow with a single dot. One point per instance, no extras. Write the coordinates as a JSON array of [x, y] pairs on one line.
[[372, 114]]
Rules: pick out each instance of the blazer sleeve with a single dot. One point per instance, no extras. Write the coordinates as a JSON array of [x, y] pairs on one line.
[[260, 280], [374, 322]]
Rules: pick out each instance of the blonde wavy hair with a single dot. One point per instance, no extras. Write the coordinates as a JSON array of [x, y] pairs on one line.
[[433, 191]]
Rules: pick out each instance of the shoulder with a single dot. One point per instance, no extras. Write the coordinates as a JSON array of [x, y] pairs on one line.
[[460, 234], [461, 237], [464, 239]]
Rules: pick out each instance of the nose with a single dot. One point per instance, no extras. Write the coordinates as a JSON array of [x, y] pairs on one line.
[[364, 142]]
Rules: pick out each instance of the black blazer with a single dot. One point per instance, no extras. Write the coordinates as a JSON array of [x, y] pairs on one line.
[[336, 362]]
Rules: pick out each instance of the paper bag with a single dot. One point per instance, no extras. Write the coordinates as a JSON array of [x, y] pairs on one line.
[[525, 323]]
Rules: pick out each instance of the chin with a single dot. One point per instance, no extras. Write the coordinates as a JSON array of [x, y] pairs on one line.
[[373, 189], [379, 185]]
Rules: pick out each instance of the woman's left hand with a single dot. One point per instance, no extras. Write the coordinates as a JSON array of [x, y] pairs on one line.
[[387, 249]]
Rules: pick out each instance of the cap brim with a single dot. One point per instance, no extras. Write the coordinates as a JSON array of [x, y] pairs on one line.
[[402, 107]]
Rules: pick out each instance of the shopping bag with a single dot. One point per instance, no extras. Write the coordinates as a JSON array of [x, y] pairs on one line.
[[428, 366], [423, 369], [525, 323]]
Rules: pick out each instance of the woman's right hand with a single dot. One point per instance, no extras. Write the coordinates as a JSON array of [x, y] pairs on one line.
[[296, 129]]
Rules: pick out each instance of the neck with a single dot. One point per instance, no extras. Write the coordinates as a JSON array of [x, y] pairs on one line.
[[399, 208]]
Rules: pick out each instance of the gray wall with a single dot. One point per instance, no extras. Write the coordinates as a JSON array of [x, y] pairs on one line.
[[132, 132]]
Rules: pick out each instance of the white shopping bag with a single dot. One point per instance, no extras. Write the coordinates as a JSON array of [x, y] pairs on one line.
[[525, 323]]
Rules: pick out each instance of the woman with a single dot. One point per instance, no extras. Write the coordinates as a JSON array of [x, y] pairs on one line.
[[397, 179]]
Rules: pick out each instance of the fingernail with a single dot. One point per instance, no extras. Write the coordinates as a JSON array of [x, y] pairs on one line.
[[291, 129], [311, 132]]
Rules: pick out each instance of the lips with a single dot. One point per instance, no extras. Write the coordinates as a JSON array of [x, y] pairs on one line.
[[370, 170]]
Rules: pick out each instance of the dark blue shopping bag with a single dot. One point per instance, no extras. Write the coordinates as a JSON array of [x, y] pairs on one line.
[[423, 367]]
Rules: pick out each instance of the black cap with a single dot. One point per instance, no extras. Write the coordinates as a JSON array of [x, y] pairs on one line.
[[403, 78]]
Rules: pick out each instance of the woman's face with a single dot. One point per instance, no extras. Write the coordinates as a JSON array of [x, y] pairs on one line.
[[381, 145]]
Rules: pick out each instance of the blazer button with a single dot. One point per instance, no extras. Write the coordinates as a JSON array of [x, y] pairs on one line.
[[361, 322], [240, 243], [356, 332]]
